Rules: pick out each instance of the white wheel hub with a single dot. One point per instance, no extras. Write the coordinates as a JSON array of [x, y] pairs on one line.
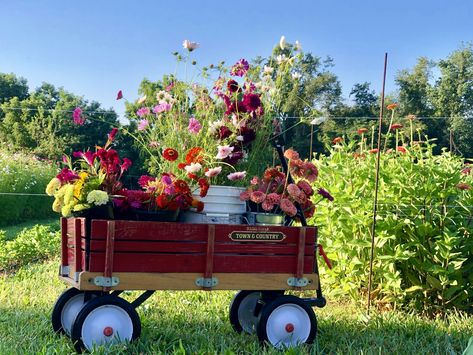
[[70, 311], [106, 324], [288, 325], [246, 311]]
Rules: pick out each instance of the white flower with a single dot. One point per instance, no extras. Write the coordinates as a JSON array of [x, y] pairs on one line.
[[239, 138], [297, 46], [296, 75], [281, 58], [215, 126], [282, 42], [97, 197], [224, 151], [141, 99], [267, 69], [318, 120], [190, 46], [213, 171], [193, 168]]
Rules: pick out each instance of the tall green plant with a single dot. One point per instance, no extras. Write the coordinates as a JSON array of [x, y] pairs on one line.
[[424, 243]]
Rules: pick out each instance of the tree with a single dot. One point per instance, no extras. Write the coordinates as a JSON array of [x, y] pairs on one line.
[[12, 86]]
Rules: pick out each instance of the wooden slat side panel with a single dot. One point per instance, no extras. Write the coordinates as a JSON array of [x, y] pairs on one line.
[[199, 247], [167, 231], [186, 281], [226, 263]]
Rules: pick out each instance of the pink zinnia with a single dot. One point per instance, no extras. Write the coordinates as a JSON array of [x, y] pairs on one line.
[[257, 196], [291, 154], [194, 126], [245, 196], [143, 125], [273, 198], [77, 116], [163, 107], [142, 112], [240, 68], [267, 205], [305, 186], [254, 180], [310, 171], [293, 190], [288, 207], [239, 175]]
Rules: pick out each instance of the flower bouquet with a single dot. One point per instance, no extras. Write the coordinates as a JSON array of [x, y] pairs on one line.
[[275, 193], [88, 184]]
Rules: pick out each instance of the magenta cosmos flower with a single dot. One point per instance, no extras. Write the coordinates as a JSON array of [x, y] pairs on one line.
[[142, 112], [240, 68], [143, 125], [194, 126], [77, 116]]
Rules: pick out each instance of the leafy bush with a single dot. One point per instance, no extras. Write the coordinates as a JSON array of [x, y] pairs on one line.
[[21, 173], [37, 243], [423, 253]]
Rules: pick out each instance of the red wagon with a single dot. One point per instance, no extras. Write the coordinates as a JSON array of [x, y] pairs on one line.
[[101, 258]]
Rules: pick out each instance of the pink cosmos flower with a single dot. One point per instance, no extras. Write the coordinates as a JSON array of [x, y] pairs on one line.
[[224, 151], [190, 46], [162, 107], [213, 171], [143, 125], [240, 68], [239, 175], [77, 116], [257, 196], [288, 207], [142, 112], [194, 126]]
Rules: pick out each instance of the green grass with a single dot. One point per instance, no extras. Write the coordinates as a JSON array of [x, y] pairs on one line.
[[12, 231], [197, 322]]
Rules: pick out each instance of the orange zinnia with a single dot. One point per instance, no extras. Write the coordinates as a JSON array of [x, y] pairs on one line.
[[337, 140], [362, 130], [392, 106], [194, 155]]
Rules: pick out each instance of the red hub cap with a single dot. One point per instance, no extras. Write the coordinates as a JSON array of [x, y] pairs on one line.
[[289, 327], [108, 331]]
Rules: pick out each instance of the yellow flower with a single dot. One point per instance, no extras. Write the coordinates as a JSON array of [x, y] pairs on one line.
[[69, 194], [80, 207], [53, 186], [79, 184], [57, 205], [66, 210]]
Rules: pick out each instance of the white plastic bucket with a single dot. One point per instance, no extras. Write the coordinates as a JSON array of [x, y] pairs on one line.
[[223, 199]]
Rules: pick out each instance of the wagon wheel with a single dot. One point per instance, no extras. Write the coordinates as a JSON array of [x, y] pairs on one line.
[[287, 321], [103, 321], [246, 306], [66, 308], [242, 311]]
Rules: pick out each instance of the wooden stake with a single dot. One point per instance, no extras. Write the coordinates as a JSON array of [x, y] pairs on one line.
[[375, 202]]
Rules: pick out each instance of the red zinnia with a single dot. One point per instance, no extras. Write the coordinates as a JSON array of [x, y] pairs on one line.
[[181, 165], [402, 150], [181, 186], [396, 126], [162, 201], [373, 151], [204, 187], [170, 154]]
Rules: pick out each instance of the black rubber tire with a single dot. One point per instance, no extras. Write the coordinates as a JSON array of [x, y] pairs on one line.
[[235, 306], [59, 306], [95, 303], [261, 328]]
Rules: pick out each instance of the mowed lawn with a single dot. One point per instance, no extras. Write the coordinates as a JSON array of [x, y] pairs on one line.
[[197, 322]]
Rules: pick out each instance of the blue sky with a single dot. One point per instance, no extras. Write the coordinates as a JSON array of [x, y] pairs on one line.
[[95, 48]]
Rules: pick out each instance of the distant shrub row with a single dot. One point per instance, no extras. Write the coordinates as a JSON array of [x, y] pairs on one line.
[[20, 175]]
